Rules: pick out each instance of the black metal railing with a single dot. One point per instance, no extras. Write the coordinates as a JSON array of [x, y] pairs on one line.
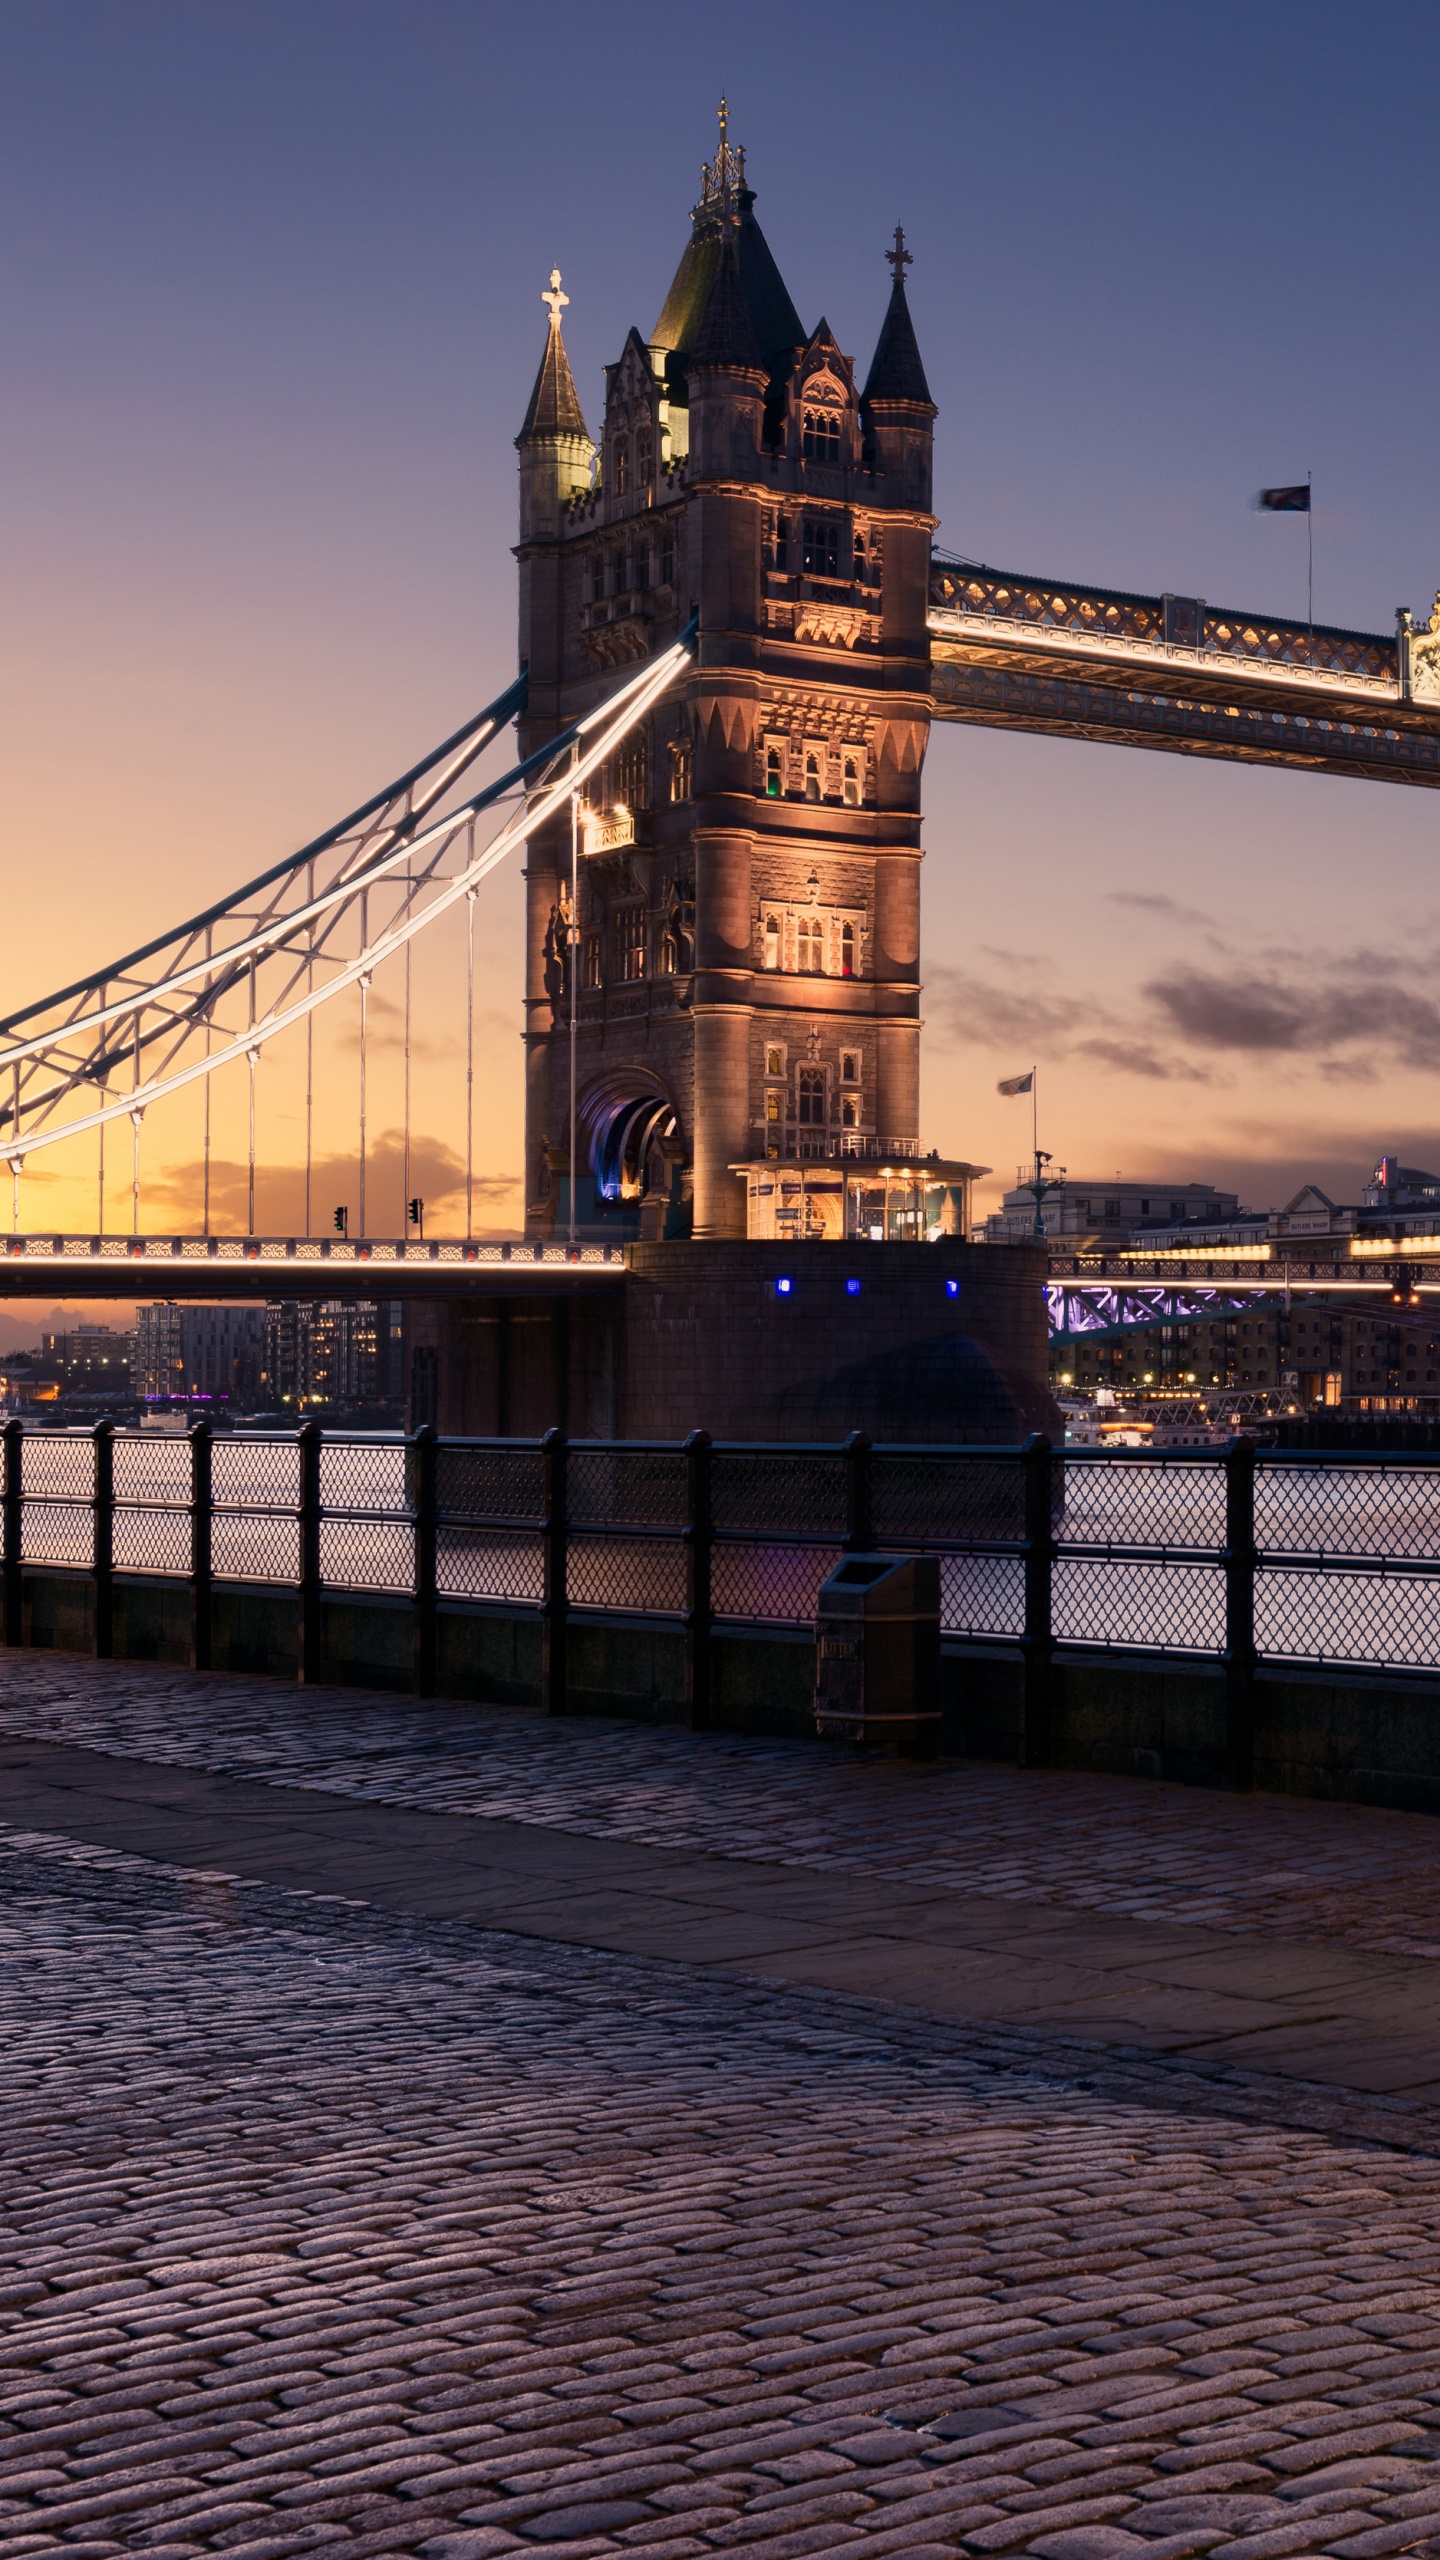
[[1238, 1557]]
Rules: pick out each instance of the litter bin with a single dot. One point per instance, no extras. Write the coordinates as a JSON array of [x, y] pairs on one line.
[[877, 1654]]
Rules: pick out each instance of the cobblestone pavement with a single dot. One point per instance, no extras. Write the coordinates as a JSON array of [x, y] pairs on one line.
[[322, 2229], [1126, 1847]]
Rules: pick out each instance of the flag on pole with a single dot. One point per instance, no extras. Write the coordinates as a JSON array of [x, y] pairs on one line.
[[1294, 501], [1017, 1084]]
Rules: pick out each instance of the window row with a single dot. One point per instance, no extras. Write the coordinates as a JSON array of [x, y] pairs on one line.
[[632, 460], [813, 774], [823, 546], [630, 568], [639, 946], [811, 945]]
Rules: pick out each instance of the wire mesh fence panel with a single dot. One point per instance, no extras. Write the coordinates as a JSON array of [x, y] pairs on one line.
[[1114, 1501], [779, 1493], [363, 1475], [629, 1488], [59, 1464], [1348, 1509], [147, 1540], [640, 1574], [982, 1595], [367, 1555], [255, 1546], [1160, 1608], [1365, 1619], [255, 1474], [485, 1564], [931, 1499], [57, 1532], [152, 1466], [771, 1585], [479, 1482]]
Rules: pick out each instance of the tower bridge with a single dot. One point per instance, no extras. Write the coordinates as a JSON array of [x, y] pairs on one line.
[[736, 632]]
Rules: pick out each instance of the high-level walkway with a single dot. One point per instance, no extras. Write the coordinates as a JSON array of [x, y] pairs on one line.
[[437, 2131]]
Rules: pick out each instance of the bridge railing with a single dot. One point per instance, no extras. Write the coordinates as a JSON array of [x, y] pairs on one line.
[[1237, 1557]]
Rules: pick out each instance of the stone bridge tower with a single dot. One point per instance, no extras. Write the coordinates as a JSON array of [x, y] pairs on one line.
[[749, 915]]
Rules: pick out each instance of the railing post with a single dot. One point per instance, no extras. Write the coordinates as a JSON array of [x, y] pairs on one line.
[[698, 1537], [1037, 1740], [202, 1513], [1239, 1657], [857, 1493], [102, 1503], [556, 1602], [14, 1534], [425, 1455], [308, 1440]]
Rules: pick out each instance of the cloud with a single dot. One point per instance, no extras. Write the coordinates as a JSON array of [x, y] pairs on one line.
[[973, 1010], [1135, 1058], [1153, 902], [437, 1174], [1232, 1013], [1314, 1010]]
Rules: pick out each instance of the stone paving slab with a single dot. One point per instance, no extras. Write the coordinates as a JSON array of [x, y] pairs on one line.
[[1335, 2016], [325, 2228], [1138, 1850]]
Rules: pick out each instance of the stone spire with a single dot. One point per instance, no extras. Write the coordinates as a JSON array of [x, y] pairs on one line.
[[726, 335], [554, 403], [896, 372]]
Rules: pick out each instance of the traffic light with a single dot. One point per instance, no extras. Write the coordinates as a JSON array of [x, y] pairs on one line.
[[415, 1211], [342, 1222]]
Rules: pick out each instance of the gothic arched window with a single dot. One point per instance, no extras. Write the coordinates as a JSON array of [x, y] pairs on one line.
[[631, 775], [680, 769], [597, 577], [812, 945], [620, 451], [849, 1112], [820, 437], [812, 777], [860, 560], [847, 951], [644, 457], [851, 793], [812, 1097], [772, 942], [773, 779], [642, 565]]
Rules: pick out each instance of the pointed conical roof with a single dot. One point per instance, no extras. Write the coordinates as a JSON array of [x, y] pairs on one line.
[[896, 372], [554, 403], [726, 335], [726, 203]]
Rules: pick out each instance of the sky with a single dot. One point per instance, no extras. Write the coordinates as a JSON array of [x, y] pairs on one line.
[[269, 315]]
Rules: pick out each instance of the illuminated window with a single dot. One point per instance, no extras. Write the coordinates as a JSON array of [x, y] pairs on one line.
[[630, 942], [847, 951], [772, 1106], [820, 436], [632, 786], [812, 1097], [772, 774], [680, 769], [812, 777], [811, 938], [851, 792], [772, 961], [820, 547], [773, 1063], [621, 459]]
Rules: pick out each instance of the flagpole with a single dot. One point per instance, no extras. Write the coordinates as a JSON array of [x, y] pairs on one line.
[[1310, 554]]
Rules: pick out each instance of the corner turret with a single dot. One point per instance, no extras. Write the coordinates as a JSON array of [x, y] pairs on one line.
[[896, 406], [556, 453]]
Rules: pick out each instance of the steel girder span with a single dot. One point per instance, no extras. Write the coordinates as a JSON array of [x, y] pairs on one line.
[[1096, 1311], [214, 990]]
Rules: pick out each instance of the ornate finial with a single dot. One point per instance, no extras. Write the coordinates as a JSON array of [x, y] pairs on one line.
[[555, 299], [899, 258], [722, 177]]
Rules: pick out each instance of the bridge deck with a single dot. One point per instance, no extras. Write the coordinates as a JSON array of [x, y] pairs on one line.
[[1173, 672], [293, 1266]]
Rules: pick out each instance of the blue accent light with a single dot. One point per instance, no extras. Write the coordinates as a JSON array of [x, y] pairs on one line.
[[952, 1288], [783, 1288], [852, 1288]]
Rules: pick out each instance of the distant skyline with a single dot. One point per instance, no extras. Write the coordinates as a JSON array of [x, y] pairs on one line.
[[271, 311]]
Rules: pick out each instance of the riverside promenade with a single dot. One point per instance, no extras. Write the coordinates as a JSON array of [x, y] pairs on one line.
[[437, 2131]]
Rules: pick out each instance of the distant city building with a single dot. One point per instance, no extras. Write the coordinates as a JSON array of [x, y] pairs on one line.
[[1109, 1210], [340, 1356], [200, 1355], [91, 1356]]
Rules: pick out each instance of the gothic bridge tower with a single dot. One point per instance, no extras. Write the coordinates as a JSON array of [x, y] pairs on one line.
[[749, 910]]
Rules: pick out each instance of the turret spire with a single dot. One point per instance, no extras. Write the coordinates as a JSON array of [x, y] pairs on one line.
[[896, 372], [554, 403]]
